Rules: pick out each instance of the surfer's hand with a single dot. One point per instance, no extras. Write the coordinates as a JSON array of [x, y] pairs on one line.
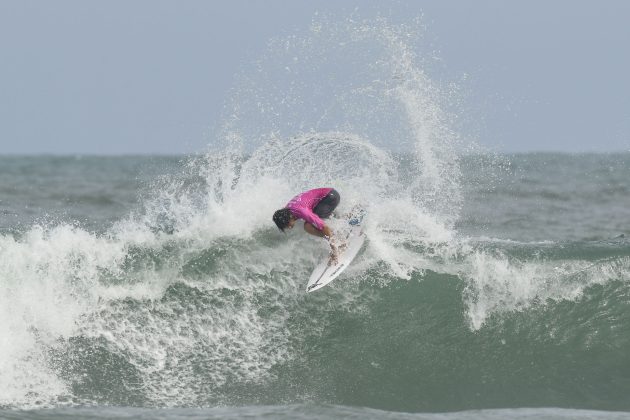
[[327, 233]]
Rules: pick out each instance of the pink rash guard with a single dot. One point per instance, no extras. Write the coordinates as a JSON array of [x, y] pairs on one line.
[[302, 206]]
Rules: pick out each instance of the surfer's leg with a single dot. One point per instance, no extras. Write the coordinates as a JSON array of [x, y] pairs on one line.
[[325, 207]]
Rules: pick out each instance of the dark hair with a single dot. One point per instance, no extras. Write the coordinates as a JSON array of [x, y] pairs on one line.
[[281, 218]]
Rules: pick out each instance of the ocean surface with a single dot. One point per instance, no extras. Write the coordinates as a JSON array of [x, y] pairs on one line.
[[124, 288], [490, 286]]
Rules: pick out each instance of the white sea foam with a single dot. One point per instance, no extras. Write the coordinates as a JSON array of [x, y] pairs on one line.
[[46, 279]]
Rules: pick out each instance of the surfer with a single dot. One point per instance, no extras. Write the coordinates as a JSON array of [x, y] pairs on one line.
[[312, 206]]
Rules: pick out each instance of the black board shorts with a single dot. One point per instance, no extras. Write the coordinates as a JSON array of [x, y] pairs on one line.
[[327, 205]]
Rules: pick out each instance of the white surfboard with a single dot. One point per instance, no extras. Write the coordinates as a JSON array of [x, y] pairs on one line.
[[326, 272]]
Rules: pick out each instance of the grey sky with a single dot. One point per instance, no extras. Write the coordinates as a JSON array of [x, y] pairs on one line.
[[115, 77]]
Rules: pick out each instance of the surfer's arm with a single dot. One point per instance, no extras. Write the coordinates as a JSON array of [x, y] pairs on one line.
[[327, 234], [313, 224]]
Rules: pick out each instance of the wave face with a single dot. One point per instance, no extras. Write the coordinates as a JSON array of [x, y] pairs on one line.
[[487, 281]]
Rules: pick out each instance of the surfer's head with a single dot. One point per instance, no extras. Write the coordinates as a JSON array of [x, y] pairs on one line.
[[283, 219]]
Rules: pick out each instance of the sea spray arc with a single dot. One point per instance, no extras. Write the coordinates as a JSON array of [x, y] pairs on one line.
[[358, 78], [360, 81], [437, 184]]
